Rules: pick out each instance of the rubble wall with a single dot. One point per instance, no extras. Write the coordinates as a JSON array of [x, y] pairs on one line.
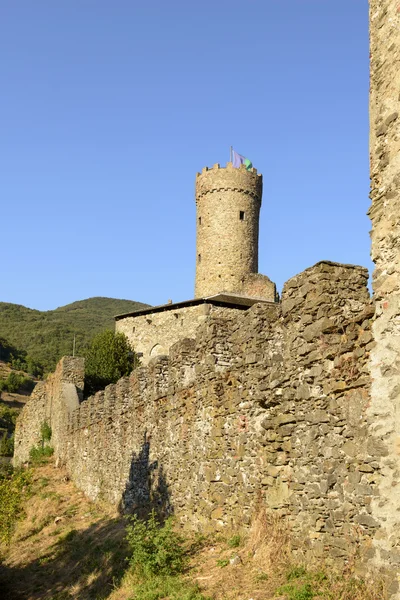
[[266, 406]]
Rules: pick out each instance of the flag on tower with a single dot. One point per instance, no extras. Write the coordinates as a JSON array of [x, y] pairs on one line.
[[238, 159]]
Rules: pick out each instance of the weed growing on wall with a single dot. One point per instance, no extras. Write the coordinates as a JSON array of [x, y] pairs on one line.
[[40, 453], [45, 432]]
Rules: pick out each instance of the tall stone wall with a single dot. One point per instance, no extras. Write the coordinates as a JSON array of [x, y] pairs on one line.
[[383, 411], [266, 407]]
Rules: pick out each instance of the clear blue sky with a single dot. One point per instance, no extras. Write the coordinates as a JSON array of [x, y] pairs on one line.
[[108, 110]]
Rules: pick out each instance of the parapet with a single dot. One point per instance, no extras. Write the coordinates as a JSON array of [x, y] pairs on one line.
[[229, 178]]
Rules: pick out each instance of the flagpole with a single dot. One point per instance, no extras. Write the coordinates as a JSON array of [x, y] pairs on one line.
[[231, 153]]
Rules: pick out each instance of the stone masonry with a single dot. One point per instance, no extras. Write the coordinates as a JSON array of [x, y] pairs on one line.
[[228, 203], [153, 333], [383, 411], [267, 406]]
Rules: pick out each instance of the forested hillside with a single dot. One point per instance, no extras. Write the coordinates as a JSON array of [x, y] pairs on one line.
[[46, 336]]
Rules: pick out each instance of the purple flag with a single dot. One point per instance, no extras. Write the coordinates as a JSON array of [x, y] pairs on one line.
[[238, 159]]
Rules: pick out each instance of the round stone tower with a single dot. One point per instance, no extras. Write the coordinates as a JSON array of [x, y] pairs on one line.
[[228, 202]]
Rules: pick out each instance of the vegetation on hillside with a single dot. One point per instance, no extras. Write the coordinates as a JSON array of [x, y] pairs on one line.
[[8, 418], [19, 359], [44, 337], [15, 382], [14, 489], [108, 358]]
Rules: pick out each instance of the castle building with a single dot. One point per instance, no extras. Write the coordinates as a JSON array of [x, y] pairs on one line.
[[228, 203]]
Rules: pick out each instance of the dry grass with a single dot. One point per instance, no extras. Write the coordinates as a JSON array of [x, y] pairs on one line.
[[267, 569], [269, 542], [70, 548], [66, 547]]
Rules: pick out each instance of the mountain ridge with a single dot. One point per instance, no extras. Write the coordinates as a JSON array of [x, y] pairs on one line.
[[48, 335]]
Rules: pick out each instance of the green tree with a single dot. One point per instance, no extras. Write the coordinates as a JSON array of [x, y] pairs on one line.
[[108, 358]]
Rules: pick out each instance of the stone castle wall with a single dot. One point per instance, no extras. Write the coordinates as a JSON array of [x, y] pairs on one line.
[[50, 402], [383, 411], [153, 334], [266, 407]]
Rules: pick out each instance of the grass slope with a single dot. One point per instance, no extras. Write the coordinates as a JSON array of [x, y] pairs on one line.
[[64, 547], [46, 336]]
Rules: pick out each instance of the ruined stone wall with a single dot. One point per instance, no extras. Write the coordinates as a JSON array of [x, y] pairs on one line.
[[266, 407], [256, 285], [50, 402], [154, 334], [383, 411]]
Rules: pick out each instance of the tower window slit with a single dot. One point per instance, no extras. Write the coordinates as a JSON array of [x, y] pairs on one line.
[[242, 215], [199, 258], [199, 220]]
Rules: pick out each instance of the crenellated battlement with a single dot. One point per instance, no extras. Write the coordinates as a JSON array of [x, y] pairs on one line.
[[229, 179], [229, 167]]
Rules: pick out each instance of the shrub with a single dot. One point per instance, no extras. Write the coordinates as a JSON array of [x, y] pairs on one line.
[[108, 358], [7, 445], [14, 485], [222, 562], [39, 454], [234, 541], [8, 417], [15, 382], [45, 432], [156, 549]]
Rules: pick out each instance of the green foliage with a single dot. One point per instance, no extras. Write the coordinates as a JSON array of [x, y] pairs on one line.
[[7, 445], [173, 588], [16, 382], [25, 363], [302, 591], [108, 358], [262, 576], [155, 549], [8, 417], [44, 337], [45, 432], [222, 562], [234, 541], [304, 585], [14, 486], [19, 359], [6, 350], [38, 455], [296, 572]]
